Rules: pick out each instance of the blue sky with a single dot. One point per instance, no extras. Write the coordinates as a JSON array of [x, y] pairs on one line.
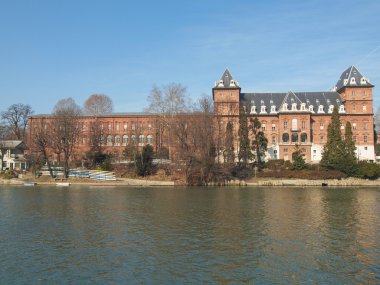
[[51, 50]]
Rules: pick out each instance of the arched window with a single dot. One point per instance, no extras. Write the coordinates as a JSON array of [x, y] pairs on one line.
[[141, 140], [285, 138], [294, 138], [109, 140], [303, 138], [125, 140], [117, 140], [149, 139], [133, 139]]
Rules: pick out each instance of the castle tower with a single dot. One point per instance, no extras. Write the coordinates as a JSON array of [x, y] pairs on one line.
[[226, 95], [356, 93]]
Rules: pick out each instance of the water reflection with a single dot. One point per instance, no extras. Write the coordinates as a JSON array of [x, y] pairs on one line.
[[195, 235]]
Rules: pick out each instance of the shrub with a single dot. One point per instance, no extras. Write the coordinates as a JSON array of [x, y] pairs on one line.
[[242, 172], [368, 170]]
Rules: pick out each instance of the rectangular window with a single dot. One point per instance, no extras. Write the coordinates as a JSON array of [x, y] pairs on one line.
[[322, 138], [263, 126], [354, 138], [354, 126], [285, 125], [273, 140], [321, 126], [364, 108], [117, 126], [109, 126], [273, 127], [365, 126], [303, 124], [125, 126], [285, 150], [365, 139], [133, 126]]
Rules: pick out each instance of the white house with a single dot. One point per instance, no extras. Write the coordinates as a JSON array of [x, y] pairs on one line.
[[12, 154]]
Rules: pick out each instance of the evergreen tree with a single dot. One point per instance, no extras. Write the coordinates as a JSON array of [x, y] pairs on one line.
[[259, 141], [230, 151], [334, 150], [349, 163], [144, 161], [298, 158], [338, 153], [245, 153]]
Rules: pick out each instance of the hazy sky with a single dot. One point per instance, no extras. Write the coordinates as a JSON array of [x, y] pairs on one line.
[[51, 50]]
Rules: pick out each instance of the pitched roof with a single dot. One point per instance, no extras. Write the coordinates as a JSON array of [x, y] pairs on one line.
[[351, 77], [278, 99], [12, 144], [226, 81]]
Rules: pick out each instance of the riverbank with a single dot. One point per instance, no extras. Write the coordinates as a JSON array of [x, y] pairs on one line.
[[88, 182], [347, 182], [260, 182]]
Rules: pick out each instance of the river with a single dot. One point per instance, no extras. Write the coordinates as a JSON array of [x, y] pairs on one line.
[[115, 235]]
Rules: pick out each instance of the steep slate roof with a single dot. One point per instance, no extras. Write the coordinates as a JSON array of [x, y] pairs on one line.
[[278, 99], [226, 79], [12, 144], [351, 77]]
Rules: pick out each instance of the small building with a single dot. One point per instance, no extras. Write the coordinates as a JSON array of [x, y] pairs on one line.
[[12, 153]]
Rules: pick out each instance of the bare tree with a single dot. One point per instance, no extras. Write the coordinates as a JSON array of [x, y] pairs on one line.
[[195, 143], [66, 129], [98, 104], [16, 117], [41, 142], [168, 102], [377, 119], [3, 149]]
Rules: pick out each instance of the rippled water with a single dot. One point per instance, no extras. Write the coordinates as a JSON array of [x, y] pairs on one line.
[[189, 235]]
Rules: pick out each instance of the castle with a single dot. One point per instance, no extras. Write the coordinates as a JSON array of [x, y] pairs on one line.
[[287, 119], [302, 118]]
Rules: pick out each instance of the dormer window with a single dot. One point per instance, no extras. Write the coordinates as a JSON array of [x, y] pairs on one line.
[[352, 80], [341, 109], [303, 107], [294, 107], [320, 109], [363, 81], [232, 83], [220, 84], [285, 107], [263, 109], [345, 81], [331, 108], [273, 109], [311, 108], [253, 109]]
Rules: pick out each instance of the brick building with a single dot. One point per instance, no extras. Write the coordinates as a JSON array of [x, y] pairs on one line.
[[302, 118], [288, 119]]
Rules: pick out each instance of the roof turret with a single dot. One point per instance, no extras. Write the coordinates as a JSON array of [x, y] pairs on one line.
[[227, 81], [351, 77]]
